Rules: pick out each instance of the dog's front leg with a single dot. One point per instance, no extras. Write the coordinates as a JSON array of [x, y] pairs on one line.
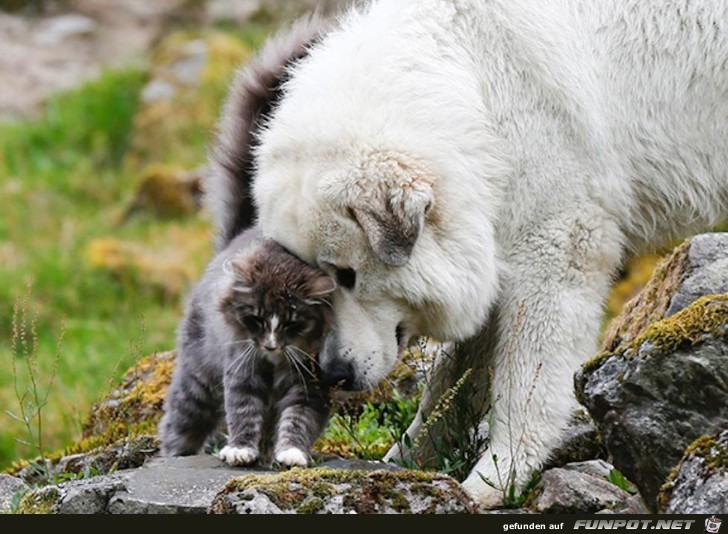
[[548, 320]]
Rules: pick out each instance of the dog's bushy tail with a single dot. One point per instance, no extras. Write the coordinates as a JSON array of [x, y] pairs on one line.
[[254, 93]]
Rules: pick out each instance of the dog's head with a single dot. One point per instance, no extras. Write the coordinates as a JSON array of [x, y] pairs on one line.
[[409, 256]]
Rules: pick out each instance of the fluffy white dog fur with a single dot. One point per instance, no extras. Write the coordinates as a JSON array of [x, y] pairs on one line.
[[467, 158]]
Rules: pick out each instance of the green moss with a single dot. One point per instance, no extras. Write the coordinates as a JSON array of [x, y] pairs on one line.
[[650, 304], [42, 501], [306, 490], [706, 316], [311, 506], [397, 499], [714, 454], [595, 362], [136, 406]]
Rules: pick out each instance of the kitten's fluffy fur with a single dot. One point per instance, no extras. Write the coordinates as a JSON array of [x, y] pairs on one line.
[[248, 343]]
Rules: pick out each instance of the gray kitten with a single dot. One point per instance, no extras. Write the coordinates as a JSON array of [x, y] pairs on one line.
[[248, 343]]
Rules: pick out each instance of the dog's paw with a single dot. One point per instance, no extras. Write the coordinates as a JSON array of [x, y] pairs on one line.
[[485, 495], [292, 457], [238, 455]]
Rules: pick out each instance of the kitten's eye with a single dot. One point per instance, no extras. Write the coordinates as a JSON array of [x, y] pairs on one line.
[[253, 323], [294, 328]]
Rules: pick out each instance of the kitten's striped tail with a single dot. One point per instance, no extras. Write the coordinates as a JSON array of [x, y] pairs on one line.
[[254, 93]]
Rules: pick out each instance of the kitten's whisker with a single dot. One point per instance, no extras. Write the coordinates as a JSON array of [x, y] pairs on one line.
[[294, 363], [237, 342], [242, 358], [307, 356]]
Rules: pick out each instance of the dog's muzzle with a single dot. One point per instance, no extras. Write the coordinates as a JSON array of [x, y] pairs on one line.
[[339, 374]]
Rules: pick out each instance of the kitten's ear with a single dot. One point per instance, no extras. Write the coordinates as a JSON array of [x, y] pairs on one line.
[[321, 286], [227, 267], [240, 281]]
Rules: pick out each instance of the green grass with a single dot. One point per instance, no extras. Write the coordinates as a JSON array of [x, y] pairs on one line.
[[66, 180], [63, 183], [371, 431]]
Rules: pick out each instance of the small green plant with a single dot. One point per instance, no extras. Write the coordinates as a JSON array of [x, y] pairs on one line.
[[34, 397], [14, 505], [450, 439], [618, 479], [369, 433]]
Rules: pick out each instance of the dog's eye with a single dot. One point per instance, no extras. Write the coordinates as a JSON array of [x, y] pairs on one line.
[[346, 278]]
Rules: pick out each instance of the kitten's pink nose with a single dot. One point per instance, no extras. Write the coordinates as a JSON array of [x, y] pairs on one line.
[[270, 346]]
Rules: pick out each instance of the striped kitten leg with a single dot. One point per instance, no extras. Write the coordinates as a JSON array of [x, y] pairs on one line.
[[246, 396], [191, 412], [303, 412]]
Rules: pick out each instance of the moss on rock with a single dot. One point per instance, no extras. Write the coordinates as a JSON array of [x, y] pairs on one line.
[[707, 317], [712, 454], [312, 490], [167, 191], [135, 407], [43, 501], [650, 304]]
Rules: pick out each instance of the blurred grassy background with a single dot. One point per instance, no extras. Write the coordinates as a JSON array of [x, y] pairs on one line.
[[114, 283]]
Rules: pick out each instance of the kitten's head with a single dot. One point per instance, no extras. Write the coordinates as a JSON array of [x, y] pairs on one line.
[[277, 301]]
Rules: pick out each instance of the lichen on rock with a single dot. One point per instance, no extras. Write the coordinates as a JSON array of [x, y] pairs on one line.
[[655, 394], [699, 483], [324, 490], [650, 304], [42, 501], [136, 406]]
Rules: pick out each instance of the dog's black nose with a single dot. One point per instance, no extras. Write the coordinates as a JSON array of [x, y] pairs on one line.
[[338, 373]]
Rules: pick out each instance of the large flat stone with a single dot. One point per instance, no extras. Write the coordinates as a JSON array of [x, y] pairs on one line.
[[175, 485]]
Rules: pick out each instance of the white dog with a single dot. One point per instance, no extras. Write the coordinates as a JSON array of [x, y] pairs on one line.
[[452, 162]]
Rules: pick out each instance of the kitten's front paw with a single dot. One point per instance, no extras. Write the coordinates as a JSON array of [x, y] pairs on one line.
[[238, 455], [292, 456]]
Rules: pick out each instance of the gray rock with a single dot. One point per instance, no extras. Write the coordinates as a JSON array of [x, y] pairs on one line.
[[509, 511], [660, 381], [63, 27], [580, 441], [336, 491], [706, 273], [699, 485], [564, 491], [174, 485], [124, 454], [242, 11], [650, 406], [595, 468], [188, 69], [158, 90], [633, 505], [10, 487], [239, 11], [190, 485], [89, 496]]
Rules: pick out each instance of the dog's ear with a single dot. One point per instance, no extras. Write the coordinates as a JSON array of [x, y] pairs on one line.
[[394, 223]]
